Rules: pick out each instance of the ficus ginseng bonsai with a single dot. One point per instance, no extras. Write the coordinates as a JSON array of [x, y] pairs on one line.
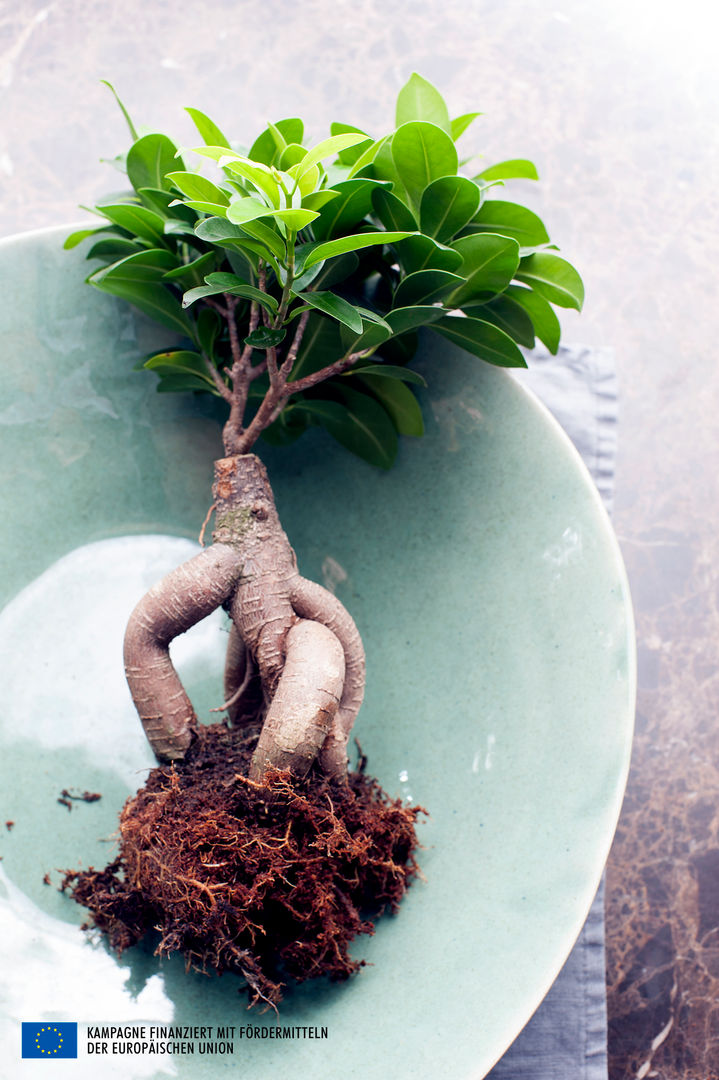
[[297, 279]]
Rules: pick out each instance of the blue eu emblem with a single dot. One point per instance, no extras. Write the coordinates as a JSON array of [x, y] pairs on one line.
[[46, 1039]]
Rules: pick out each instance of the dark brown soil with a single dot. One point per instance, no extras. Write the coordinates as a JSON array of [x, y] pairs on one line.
[[271, 882]]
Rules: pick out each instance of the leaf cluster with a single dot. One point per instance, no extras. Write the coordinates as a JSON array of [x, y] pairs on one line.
[[320, 264]]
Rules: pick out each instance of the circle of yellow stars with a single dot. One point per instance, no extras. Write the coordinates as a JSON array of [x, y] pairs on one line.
[[37, 1040]]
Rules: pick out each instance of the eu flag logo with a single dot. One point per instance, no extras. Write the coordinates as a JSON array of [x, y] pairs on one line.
[[46, 1039]]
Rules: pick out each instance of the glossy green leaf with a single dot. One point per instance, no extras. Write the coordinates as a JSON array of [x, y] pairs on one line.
[[211, 208], [447, 205], [208, 129], [113, 246], [329, 148], [353, 203], [419, 100], [198, 187], [553, 278], [544, 318], [489, 264], [482, 339], [137, 220], [331, 248], [231, 283], [516, 168], [510, 219], [267, 236], [508, 315], [392, 212], [317, 199], [350, 155], [422, 152], [149, 160], [183, 383], [366, 158], [180, 362], [388, 371], [360, 424], [148, 265], [459, 125], [423, 253], [409, 318], [241, 210], [294, 219], [332, 272], [193, 271], [125, 113], [398, 400], [425, 287], [167, 204], [152, 298], [264, 337], [77, 237], [321, 345], [335, 306], [258, 175], [265, 149]]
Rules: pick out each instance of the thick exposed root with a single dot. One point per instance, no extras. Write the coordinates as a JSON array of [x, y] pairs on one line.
[[299, 637], [270, 882]]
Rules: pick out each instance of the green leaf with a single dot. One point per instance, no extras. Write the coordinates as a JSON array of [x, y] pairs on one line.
[[231, 283], [361, 425], [351, 154], [419, 100], [425, 287], [321, 345], [392, 212], [353, 203], [447, 205], [331, 248], [334, 306], [508, 315], [294, 219], [328, 148], [510, 219], [149, 160], [482, 339], [76, 238], [241, 210], [317, 199], [398, 400], [387, 371], [150, 297], [180, 362], [148, 265], [167, 205], [420, 252], [332, 272], [114, 246], [125, 113], [516, 168], [553, 278], [489, 264], [459, 125], [544, 318], [265, 149], [137, 220], [264, 337], [409, 318], [422, 152], [208, 129], [196, 186], [259, 175]]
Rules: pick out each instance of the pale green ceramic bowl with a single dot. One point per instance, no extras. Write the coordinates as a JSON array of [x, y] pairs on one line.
[[488, 587]]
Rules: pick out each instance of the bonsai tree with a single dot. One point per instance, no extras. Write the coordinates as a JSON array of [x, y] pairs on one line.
[[295, 280]]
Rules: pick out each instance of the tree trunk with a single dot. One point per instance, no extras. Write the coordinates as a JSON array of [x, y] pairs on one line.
[[299, 637]]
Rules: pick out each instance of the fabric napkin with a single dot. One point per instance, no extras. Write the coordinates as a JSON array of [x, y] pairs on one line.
[[566, 1039]]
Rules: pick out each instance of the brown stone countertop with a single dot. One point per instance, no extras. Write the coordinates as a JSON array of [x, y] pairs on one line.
[[617, 104]]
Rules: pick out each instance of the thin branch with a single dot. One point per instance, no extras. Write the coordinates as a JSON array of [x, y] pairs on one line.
[[336, 368], [222, 387], [294, 347]]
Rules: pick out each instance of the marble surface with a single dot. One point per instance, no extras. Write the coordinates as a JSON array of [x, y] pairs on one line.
[[617, 105]]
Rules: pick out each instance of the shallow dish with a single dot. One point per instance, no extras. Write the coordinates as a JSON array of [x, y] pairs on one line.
[[488, 587]]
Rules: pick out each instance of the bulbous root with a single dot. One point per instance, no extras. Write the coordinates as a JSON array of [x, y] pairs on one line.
[[299, 637]]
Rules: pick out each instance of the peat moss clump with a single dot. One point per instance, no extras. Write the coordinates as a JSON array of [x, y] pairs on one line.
[[270, 882]]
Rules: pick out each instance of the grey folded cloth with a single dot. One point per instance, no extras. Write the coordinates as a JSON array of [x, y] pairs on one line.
[[566, 1039]]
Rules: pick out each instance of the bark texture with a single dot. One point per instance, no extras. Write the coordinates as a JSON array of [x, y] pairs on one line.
[[296, 635]]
